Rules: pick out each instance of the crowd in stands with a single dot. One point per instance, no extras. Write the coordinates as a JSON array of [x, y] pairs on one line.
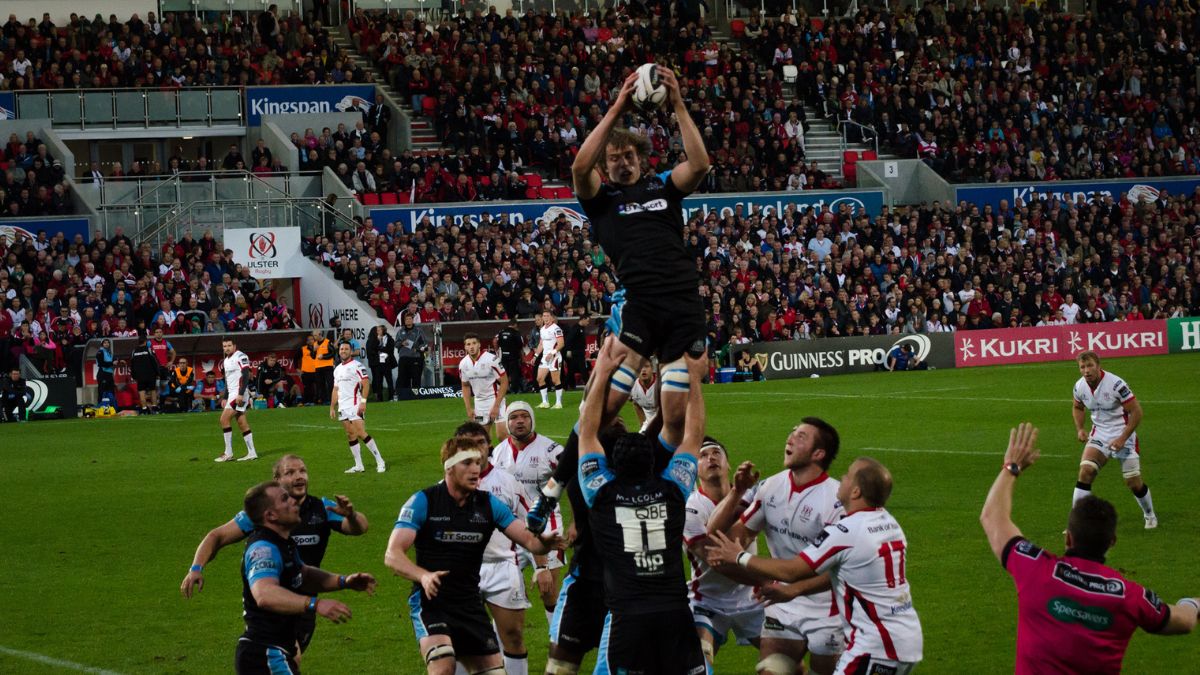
[[32, 182], [57, 294], [178, 50], [984, 95]]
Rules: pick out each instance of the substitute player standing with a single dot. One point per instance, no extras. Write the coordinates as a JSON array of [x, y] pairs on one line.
[[1116, 414], [1075, 614], [237, 382], [351, 382], [278, 587], [450, 524], [645, 395], [484, 385], [531, 458], [863, 558], [549, 348], [793, 508], [719, 604], [319, 518], [637, 520], [500, 580]]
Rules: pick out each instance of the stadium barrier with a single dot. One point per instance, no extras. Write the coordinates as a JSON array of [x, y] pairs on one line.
[[840, 356], [1004, 346]]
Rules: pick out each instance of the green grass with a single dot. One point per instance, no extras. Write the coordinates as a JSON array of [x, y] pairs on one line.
[[103, 515]]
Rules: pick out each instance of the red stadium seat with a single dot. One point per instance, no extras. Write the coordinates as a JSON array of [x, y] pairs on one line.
[[390, 198], [533, 179], [404, 197], [533, 193], [737, 28], [359, 198], [851, 173], [869, 156], [429, 106], [370, 199], [485, 181], [850, 157]]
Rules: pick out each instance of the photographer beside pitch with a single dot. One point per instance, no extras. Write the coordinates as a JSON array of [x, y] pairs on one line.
[[1075, 614]]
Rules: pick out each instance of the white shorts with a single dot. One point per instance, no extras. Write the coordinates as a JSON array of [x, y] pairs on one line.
[[550, 361], [240, 408], [824, 634], [871, 665], [501, 584], [483, 409], [746, 624], [1129, 455], [349, 414], [554, 559]]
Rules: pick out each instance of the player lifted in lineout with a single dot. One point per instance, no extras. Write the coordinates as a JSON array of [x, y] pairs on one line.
[[484, 385], [351, 383], [237, 382], [549, 349], [1116, 414]]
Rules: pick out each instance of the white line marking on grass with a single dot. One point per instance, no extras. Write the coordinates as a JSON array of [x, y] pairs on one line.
[[914, 396], [57, 663], [334, 425], [932, 451]]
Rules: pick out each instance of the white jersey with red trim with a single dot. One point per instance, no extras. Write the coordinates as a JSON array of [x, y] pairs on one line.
[[792, 517], [865, 554], [483, 374], [507, 490], [346, 377], [643, 397], [1106, 403], [549, 336], [713, 589], [232, 366], [531, 464]]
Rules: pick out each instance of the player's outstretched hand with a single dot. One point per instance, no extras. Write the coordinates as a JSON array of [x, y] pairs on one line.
[[625, 96], [722, 550], [344, 507], [666, 77], [774, 593], [193, 580], [1022, 446], [333, 610], [361, 582], [431, 581], [745, 477]]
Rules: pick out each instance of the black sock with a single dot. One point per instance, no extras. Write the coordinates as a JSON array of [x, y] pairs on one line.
[[1141, 493], [1086, 487]]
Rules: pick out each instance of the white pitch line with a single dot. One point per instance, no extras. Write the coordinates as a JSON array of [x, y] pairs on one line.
[[750, 396], [332, 425], [932, 451], [57, 663]]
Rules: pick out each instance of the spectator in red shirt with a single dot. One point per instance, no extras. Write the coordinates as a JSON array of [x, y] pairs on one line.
[[1075, 614]]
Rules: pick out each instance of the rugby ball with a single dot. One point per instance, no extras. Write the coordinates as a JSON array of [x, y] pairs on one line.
[[648, 93]]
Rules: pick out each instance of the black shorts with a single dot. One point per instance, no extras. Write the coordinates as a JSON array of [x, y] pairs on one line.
[[579, 615], [306, 625], [148, 384], [667, 326], [658, 643], [466, 622], [254, 658]]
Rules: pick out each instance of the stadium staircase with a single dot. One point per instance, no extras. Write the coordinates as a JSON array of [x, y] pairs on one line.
[[316, 312]]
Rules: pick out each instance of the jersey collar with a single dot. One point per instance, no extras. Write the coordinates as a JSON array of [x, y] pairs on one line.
[[1089, 384], [802, 488], [486, 470], [516, 449]]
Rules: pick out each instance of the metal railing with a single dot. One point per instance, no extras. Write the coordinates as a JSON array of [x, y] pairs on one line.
[[866, 131], [174, 188], [134, 108], [313, 217]]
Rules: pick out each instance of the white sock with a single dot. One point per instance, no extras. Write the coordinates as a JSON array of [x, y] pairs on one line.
[[460, 670], [248, 437], [374, 450], [558, 396], [516, 664], [357, 452], [1079, 494], [550, 616], [544, 398], [229, 442], [1145, 502]]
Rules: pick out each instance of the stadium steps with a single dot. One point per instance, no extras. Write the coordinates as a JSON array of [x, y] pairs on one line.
[[424, 138]]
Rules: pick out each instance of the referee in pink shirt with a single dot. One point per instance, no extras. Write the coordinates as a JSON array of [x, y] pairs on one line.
[[1075, 614]]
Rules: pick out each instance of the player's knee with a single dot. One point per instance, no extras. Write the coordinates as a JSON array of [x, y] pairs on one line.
[[675, 377], [494, 670], [1133, 478], [776, 664], [558, 667], [623, 380], [513, 639], [1087, 470], [439, 652]]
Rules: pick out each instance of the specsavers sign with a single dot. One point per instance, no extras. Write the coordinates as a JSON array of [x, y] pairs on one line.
[[838, 356], [269, 253]]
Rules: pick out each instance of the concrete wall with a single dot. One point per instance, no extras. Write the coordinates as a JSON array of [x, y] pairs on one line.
[[280, 145], [56, 148], [909, 181], [60, 12], [331, 184]]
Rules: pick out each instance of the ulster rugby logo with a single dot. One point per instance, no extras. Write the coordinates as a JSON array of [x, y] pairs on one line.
[[316, 315], [262, 245]]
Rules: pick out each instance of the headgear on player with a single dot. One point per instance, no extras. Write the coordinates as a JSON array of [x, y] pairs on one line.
[[522, 406]]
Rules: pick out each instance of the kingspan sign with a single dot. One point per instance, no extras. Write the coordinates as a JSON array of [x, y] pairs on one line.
[[839, 356], [327, 98]]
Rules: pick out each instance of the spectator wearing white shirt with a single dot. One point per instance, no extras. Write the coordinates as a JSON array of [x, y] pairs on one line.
[[1070, 310], [821, 245]]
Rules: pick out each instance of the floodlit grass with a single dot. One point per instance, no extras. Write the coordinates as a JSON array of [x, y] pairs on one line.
[[104, 515]]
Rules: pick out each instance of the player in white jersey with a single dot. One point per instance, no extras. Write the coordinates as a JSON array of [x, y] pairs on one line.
[[549, 349], [237, 382], [1116, 414], [500, 580], [862, 558], [719, 604], [792, 508], [644, 396], [351, 383], [531, 459], [484, 385]]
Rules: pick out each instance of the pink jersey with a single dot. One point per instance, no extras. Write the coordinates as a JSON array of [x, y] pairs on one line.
[[1075, 615]]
